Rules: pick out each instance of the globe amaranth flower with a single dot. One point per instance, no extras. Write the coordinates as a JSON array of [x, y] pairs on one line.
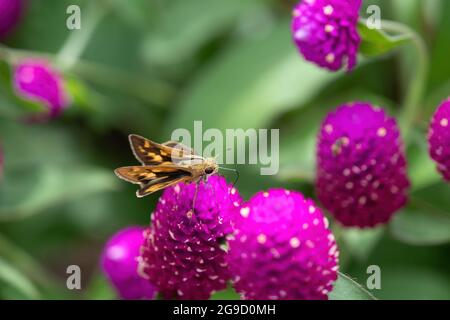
[[37, 81], [10, 12], [439, 138], [282, 248], [361, 166], [120, 264], [325, 32], [184, 255]]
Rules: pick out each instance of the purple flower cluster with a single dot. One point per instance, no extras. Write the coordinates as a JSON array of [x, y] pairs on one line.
[[282, 248], [439, 138], [10, 12], [325, 32], [120, 263], [184, 254], [361, 165], [37, 81]]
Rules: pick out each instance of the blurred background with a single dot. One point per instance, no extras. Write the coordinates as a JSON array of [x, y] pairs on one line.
[[150, 66]]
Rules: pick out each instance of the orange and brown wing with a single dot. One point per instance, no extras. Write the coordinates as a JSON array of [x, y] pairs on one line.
[[159, 184], [152, 153], [153, 178]]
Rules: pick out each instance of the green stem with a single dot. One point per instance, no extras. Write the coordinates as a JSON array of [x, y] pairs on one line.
[[414, 96], [153, 91], [26, 263], [78, 40]]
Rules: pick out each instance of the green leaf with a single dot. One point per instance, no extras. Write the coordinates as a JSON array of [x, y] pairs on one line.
[[361, 242], [251, 84], [169, 43], [100, 289], [421, 227], [346, 288], [375, 42], [26, 191], [16, 280], [227, 294]]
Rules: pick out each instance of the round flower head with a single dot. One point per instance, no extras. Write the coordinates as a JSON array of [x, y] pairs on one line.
[[10, 12], [184, 256], [282, 248], [325, 32], [361, 167], [37, 81], [439, 138], [120, 264]]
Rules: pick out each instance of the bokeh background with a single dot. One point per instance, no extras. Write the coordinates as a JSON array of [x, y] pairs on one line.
[[150, 66]]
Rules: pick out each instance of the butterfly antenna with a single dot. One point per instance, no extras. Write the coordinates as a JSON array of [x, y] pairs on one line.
[[235, 171]]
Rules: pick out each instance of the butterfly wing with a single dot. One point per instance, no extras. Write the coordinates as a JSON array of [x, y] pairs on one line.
[[178, 145], [159, 184], [152, 153], [153, 178]]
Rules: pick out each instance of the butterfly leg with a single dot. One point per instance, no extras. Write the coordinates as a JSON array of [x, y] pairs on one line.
[[195, 197]]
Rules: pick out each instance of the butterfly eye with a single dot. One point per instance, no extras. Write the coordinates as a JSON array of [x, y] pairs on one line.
[[209, 170]]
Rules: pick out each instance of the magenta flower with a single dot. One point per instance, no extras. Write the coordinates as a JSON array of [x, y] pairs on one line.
[[361, 167], [184, 256], [325, 32], [10, 12], [37, 81], [282, 248], [120, 264], [439, 138]]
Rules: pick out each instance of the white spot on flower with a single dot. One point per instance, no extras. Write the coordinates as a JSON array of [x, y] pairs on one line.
[[328, 128], [328, 10], [311, 209], [245, 212], [329, 28], [325, 222], [275, 252], [301, 34], [294, 242], [309, 244], [265, 194], [444, 122], [330, 57], [381, 132], [116, 252], [305, 226], [362, 200], [177, 189], [261, 238]]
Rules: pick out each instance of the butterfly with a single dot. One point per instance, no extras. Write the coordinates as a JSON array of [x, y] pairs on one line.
[[164, 165]]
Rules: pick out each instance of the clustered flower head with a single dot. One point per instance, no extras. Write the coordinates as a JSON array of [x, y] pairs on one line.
[[120, 264], [439, 138], [184, 255], [37, 81], [361, 166], [10, 12], [325, 32], [282, 248]]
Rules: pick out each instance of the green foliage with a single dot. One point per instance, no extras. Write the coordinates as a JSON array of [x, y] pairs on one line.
[[346, 288]]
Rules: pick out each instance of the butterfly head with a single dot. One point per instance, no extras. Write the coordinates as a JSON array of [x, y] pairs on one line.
[[210, 166]]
